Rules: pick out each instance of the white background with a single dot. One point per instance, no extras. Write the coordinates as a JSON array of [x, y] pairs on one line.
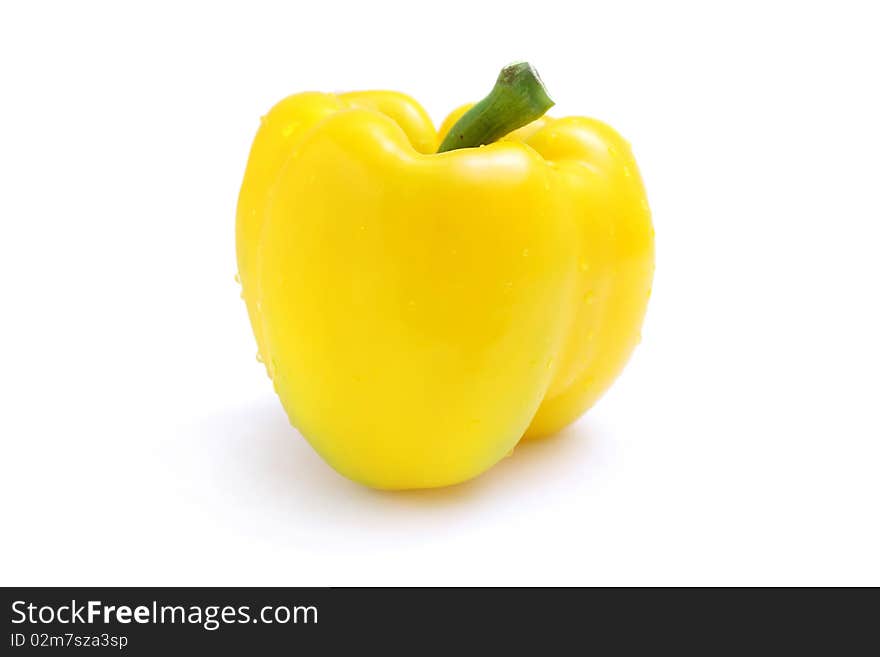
[[142, 442]]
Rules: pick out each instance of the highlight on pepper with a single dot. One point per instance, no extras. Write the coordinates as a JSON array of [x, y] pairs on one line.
[[424, 299]]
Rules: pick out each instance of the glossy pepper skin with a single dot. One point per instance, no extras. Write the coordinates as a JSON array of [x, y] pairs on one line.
[[420, 313]]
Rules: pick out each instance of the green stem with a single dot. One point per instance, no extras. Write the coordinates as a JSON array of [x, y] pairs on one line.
[[518, 98]]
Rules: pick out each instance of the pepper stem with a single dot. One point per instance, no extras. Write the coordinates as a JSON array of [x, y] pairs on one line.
[[518, 98]]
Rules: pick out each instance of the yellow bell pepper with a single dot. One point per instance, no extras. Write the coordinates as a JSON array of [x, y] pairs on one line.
[[421, 312]]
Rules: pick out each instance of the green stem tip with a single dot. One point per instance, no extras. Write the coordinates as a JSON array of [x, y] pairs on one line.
[[518, 98]]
